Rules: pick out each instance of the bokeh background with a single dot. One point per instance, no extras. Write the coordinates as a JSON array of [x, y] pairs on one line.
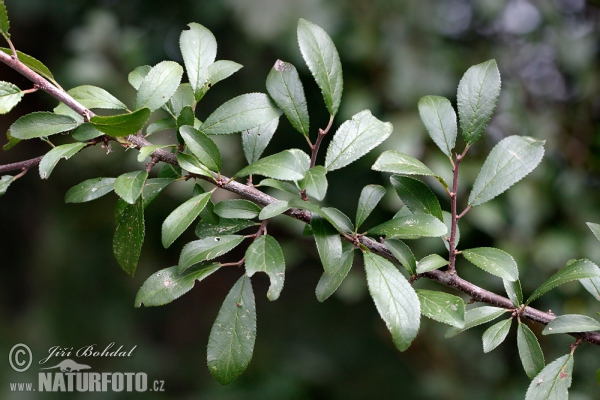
[[61, 286]]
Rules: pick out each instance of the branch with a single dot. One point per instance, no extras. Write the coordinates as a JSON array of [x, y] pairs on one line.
[[251, 193]]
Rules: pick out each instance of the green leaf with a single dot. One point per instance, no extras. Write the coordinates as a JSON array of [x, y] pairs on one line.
[[183, 97], [575, 269], [403, 254], [329, 243], [222, 69], [442, 307], [161, 125], [52, 157], [41, 124], [370, 196], [190, 163], [123, 124], [315, 182], [285, 88], [202, 147], [159, 85], [146, 151], [478, 93], [395, 299], [95, 97], [411, 227], [400, 163], [153, 188], [89, 190], [431, 262], [283, 186], [241, 113], [169, 284], [265, 255], [36, 65], [339, 220], [475, 317], [5, 182], [530, 351], [231, 340], [186, 117], [595, 228], [592, 285], [274, 209], [255, 140], [182, 217], [10, 95], [508, 162], [129, 236], [323, 61], [514, 291], [237, 208], [129, 186], [332, 278], [495, 261], [495, 335], [553, 382], [207, 249], [4, 22], [136, 77], [355, 138], [417, 196], [12, 142], [224, 226], [85, 132], [570, 323], [439, 118], [283, 166], [199, 49], [170, 172]]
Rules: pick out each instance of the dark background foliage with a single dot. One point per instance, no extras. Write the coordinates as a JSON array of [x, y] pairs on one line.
[[61, 285]]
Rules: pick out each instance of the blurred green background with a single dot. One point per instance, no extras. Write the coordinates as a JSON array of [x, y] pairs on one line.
[[61, 285]]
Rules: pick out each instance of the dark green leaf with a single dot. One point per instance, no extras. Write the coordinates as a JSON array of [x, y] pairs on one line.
[[495, 335], [339, 220], [514, 291], [370, 196], [136, 77], [285, 88], [332, 278], [283, 186], [255, 140], [530, 351], [12, 142], [440, 120], [395, 299], [231, 340], [190, 163], [85, 132], [553, 382], [122, 124], [400, 163], [153, 188], [431, 262], [240, 114], [95, 97], [495, 261], [169, 284], [237, 208], [411, 227], [570, 323], [403, 254], [575, 269], [186, 117], [355, 138], [161, 125], [5, 182], [508, 162], [199, 49], [283, 166], [442, 307], [417, 196], [315, 182], [265, 255], [478, 93], [159, 85], [274, 209], [52, 157], [329, 243], [41, 124], [475, 317], [182, 217], [10, 95], [129, 186], [323, 60], [129, 236], [32, 63], [207, 249], [170, 172], [4, 22], [225, 226], [183, 98], [202, 147], [89, 190], [592, 285]]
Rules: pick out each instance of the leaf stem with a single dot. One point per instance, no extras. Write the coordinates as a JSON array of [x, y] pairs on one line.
[[317, 145]]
